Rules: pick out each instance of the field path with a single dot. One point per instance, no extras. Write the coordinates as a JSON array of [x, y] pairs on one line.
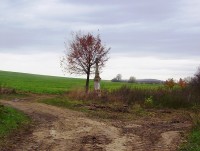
[[66, 130]]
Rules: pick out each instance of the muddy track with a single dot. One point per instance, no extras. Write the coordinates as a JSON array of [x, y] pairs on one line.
[[67, 130]]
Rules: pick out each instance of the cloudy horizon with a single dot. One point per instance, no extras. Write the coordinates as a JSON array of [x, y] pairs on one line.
[[157, 39]]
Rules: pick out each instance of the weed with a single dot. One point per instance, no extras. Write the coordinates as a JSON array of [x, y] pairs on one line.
[[148, 103], [138, 110]]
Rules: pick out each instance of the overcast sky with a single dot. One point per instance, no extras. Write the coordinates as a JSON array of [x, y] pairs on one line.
[[148, 39]]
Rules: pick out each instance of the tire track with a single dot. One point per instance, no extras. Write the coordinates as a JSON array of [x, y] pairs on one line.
[[62, 129]]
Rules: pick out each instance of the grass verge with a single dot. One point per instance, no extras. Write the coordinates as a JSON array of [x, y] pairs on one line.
[[97, 109], [11, 121], [13, 96], [193, 140], [193, 143]]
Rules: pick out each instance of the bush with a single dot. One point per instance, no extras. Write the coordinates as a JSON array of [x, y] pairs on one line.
[[6, 90], [170, 83], [176, 98], [160, 97], [129, 96]]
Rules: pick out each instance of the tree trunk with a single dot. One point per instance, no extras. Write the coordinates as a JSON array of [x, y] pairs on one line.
[[87, 83]]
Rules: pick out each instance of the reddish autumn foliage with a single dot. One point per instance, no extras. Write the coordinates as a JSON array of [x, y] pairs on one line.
[[81, 53], [182, 83], [170, 83]]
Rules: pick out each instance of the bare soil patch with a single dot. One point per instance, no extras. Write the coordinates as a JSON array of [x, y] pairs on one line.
[[66, 130]]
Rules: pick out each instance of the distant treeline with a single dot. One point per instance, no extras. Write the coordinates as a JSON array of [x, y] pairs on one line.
[[145, 81]]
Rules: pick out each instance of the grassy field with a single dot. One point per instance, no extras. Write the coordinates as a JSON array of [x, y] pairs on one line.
[[38, 83], [55, 85]]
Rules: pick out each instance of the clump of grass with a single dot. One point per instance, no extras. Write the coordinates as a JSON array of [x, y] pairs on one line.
[[138, 110], [195, 116], [193, 139], [193, 143], [10, 121]]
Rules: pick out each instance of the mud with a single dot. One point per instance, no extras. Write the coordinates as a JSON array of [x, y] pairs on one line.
[[66, 130]]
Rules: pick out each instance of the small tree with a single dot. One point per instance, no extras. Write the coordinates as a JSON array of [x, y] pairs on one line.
[[182, 83], [81, 53], [170, 83], [132, 79]]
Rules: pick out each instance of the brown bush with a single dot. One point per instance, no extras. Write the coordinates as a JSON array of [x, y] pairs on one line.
[[127, 96], [7, 91]]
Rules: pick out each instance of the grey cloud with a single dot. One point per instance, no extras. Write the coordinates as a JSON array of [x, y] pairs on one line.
[[159, 28]]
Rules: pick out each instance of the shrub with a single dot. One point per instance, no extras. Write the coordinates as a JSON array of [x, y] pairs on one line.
[[160, 97], [170, 83], [182, 83], [6, 90], [130, 96]]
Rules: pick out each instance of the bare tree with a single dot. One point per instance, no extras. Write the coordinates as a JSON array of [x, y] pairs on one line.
[[81, 53], [195, 82]]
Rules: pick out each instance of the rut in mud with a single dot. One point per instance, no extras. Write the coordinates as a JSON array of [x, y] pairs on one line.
[[67, 130]]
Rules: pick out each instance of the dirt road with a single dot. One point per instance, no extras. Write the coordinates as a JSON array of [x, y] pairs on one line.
[[67, 130]]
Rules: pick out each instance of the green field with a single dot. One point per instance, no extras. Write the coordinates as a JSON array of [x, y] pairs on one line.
[[55, 85]]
